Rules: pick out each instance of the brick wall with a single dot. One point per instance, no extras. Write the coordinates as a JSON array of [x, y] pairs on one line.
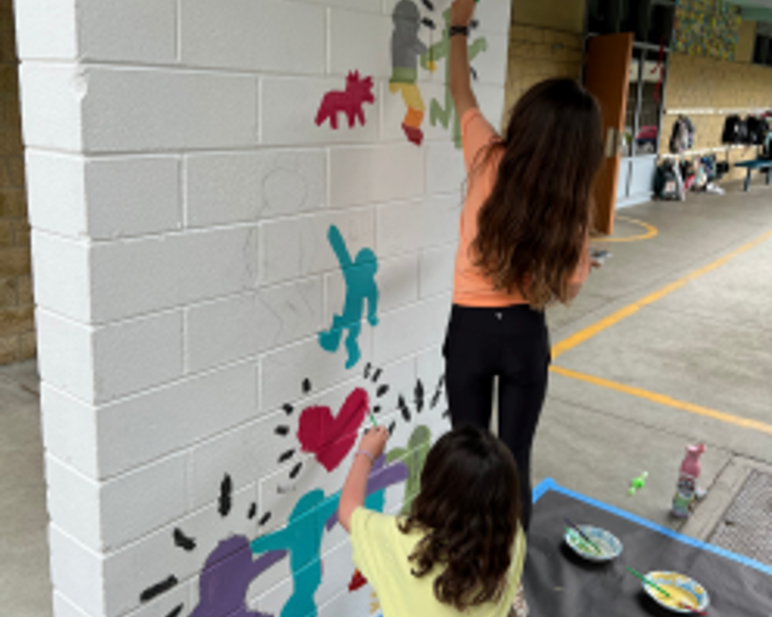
[[702, 83], [17, 328], [183, 202], [545, 41]]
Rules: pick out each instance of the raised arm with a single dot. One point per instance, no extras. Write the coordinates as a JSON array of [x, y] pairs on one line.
[[355, 489], [339, 246], [460, 75]]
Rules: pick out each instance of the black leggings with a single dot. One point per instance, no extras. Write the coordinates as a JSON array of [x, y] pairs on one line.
[[512, 343]]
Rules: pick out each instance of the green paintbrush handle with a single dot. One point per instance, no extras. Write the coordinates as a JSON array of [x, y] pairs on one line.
[[648, 582]]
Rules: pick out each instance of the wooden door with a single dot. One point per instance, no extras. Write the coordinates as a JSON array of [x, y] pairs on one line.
[[606, 75]]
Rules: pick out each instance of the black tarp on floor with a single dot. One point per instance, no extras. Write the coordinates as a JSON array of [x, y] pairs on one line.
[[560, 584]]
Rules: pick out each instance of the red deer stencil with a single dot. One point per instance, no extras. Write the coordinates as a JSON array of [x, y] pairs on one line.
[[358, 92]]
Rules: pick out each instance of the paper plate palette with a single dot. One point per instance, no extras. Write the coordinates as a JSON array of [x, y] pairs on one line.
[[686, 595], [609, 545]]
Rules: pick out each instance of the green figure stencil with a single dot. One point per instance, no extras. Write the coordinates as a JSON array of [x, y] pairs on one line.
[[436, 52], [414, 457]]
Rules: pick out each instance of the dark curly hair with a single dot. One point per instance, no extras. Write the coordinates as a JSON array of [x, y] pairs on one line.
[[532, 227], [469, 509]]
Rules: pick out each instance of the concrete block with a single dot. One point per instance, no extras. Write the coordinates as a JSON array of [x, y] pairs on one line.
[[158, 555], [155, 109], [221, 331], [267, 36], [242, 326], [289, 106], [56, 196], [245, 186], [436, 270], [411, 329], [76, 573], [445, 171], [139, 276], [143, 428], [491, 101], [148, 201], [69, 430], [415, 225], [66, 355], [346, 603], [352, 38], [397, 281], [373, 6], [339, 570], [45, 29], [73, 503], [65, 608], [494, 16], [138, 31], [490, 66], [135, 503], [51, 97], [135, 355], [299, 246], [366, 174], [283, 371]]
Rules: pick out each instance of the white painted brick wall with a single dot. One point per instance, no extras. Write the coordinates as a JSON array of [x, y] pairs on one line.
[[180, 194]]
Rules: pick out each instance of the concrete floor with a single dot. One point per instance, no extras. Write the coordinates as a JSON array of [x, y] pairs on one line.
[[706, 343]]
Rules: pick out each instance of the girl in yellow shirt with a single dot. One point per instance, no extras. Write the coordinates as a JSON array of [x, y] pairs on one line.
[[461, 548]]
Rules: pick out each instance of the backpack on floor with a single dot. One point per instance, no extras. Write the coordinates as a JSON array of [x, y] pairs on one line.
[[667, 182]]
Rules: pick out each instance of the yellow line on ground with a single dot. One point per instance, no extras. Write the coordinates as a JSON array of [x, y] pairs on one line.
[[665, 400], [583, 335], [651, 231]]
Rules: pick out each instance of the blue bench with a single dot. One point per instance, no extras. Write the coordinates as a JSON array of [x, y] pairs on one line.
[[751, 165]]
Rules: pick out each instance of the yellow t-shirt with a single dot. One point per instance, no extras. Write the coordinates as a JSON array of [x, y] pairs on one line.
[[381, 553]]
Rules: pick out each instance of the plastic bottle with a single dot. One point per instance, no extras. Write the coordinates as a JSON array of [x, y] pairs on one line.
[[686, 489]]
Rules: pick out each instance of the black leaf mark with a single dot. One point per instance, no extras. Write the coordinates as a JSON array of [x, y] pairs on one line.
[[226, 488], [281, 430], [264, 519], [377, 374], [381, 390], [446, 413], [158, 589], [403, 408], [473, 72], [252, 511], [377, 409], [285, 456], [367, 370], [306, 385], [288, 409], [428, 4], [296, 470], [419, 396], [428, 23], [392, 426], [177, 610], [438, 392], [183, 541], [474, 24]]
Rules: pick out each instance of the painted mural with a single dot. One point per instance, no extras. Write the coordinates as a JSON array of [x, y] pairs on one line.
[[237, 562], [707, 28]]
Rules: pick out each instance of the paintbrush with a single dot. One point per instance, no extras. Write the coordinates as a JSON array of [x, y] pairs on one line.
[[649, 582], [584, 535]]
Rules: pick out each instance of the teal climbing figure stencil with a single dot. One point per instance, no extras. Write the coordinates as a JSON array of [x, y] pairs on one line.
[[439, 112], [361, 287]]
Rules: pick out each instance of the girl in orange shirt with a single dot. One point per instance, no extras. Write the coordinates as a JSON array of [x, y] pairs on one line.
[[524, 243]]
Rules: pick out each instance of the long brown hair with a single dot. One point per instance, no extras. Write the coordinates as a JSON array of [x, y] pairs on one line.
[[469, 507], [531, 229]]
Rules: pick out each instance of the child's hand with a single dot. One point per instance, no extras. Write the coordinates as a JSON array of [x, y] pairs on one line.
[[374, 441], [461, 12]]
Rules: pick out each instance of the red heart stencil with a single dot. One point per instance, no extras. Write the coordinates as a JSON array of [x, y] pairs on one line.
[[330, 438]]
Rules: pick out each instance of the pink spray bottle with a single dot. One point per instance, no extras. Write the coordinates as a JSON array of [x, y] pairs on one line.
[[686, 490]]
